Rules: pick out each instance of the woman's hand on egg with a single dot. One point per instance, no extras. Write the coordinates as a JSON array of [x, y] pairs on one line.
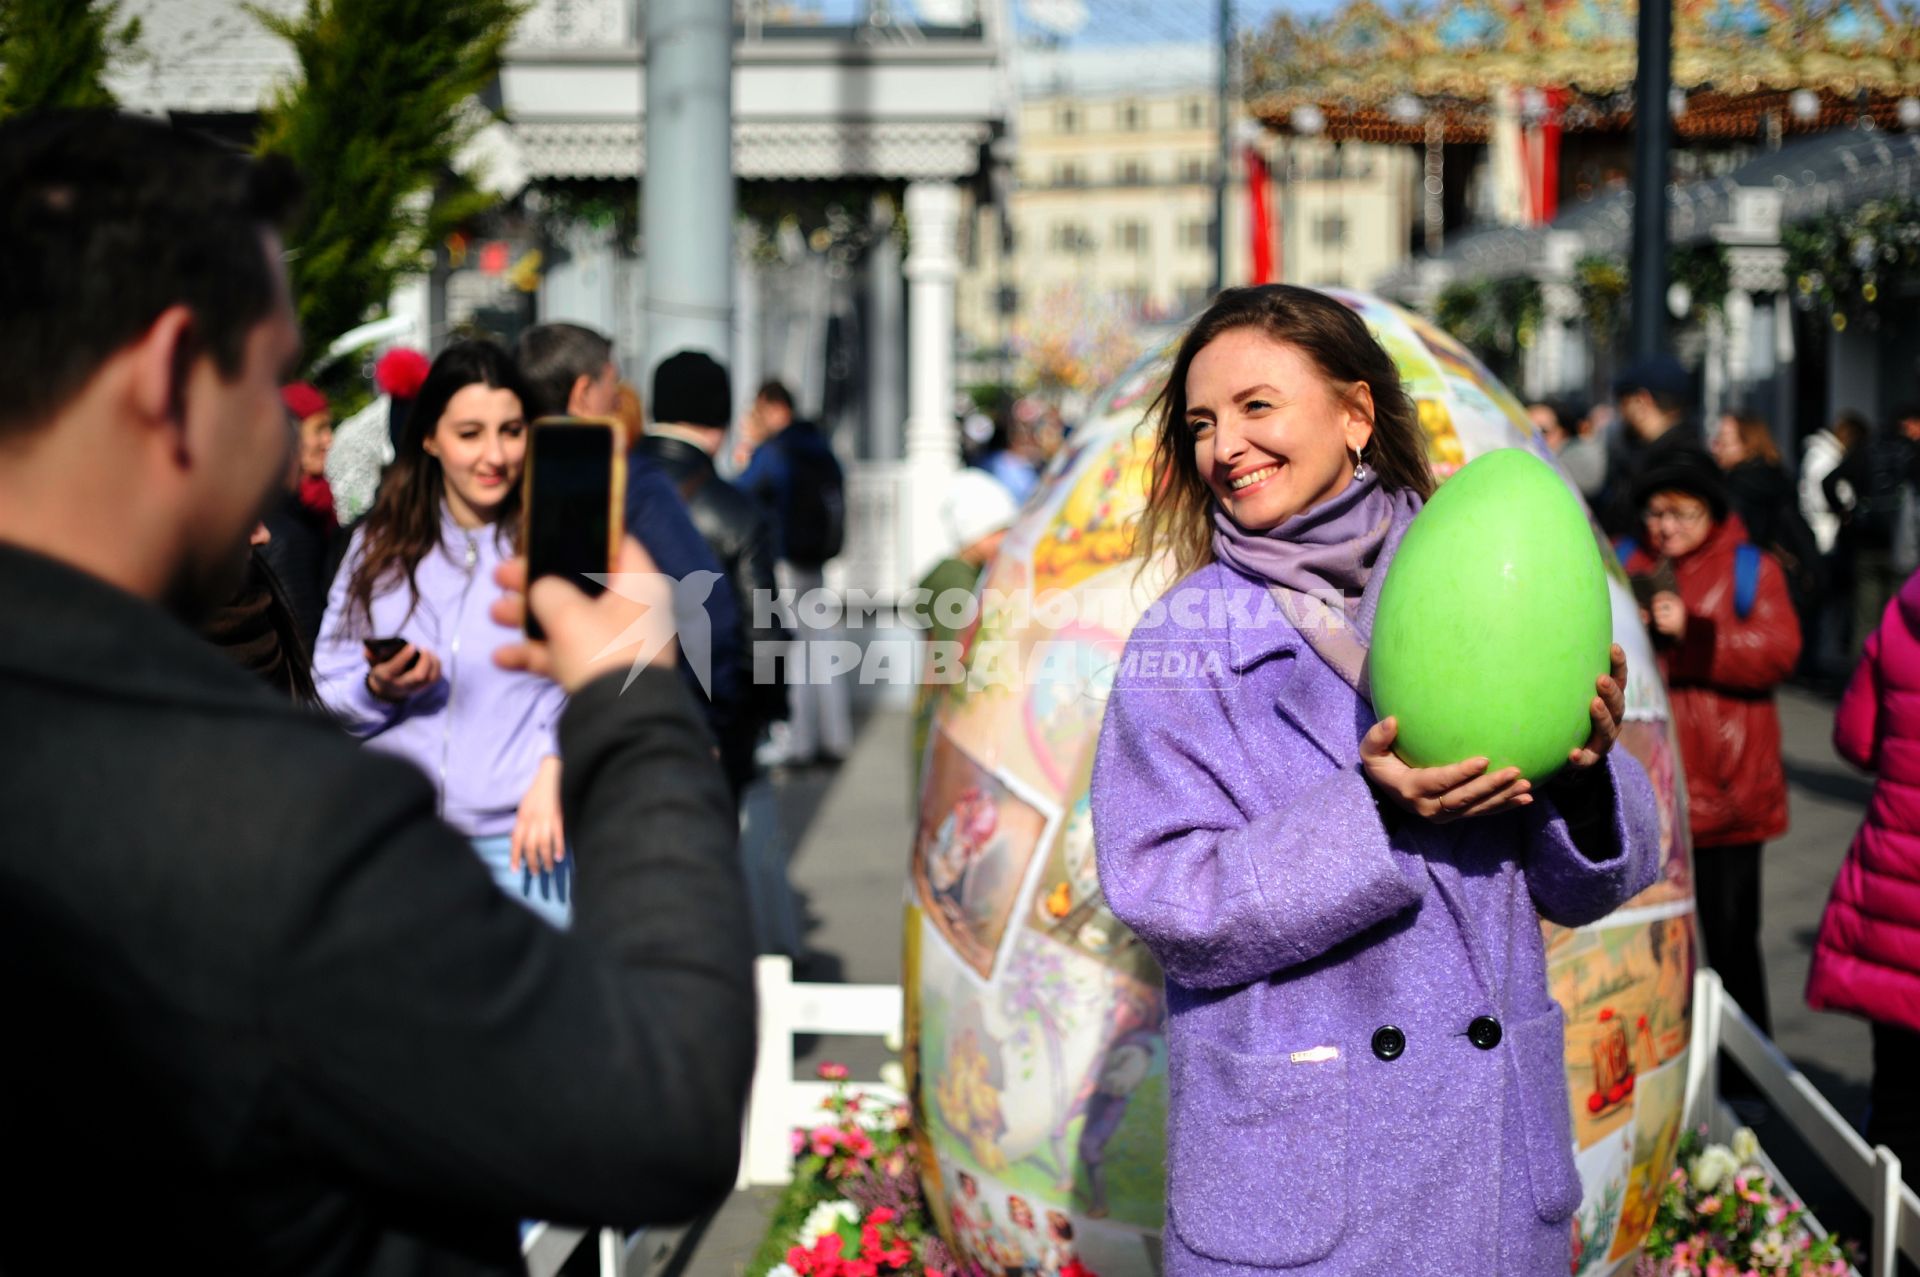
[[1439, 794]]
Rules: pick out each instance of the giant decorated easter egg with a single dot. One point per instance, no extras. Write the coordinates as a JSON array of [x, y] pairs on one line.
[[1035, 1020], [1494, 621]]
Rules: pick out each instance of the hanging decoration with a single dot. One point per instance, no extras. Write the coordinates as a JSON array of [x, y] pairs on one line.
[[1846, 265]]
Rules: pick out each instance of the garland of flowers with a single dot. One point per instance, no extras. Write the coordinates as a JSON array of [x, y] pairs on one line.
[[1720, 1217], [1844, 263], [1603, 284], [1496, 319]]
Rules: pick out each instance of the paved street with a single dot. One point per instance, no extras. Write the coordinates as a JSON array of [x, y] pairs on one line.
[[853, 831]]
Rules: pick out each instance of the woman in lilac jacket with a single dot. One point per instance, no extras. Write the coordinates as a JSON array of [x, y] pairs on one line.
[[1365, 1065], [420, 568]]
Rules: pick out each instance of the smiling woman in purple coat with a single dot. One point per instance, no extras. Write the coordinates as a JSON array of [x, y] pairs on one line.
[[1366, 1067]]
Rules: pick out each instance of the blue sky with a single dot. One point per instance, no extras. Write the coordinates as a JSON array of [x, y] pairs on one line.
[[1166, 21]]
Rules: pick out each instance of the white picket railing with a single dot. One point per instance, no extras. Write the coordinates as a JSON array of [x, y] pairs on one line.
[[1871, 1176]]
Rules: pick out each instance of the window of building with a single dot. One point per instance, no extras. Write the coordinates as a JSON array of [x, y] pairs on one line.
[[1130, 236], [1132, 116], [1193, 112], [1195, 168], [1193, 232], [1330, 230], [1069, 174], [1132, 173], [1066, 118], [1070, 237]]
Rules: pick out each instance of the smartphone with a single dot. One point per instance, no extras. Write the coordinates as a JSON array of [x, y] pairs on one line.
[[573, 505], [385, 649]]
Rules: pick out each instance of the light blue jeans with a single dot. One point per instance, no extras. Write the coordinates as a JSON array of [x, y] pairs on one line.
[[548, 894]]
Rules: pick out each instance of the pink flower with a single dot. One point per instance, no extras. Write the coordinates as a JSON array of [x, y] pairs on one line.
[[833, 1072], [856, 1142], [882, 1216], [1710, 1205], [824, 1139]]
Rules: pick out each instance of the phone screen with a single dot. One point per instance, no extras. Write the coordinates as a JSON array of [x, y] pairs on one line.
[[571, 491]]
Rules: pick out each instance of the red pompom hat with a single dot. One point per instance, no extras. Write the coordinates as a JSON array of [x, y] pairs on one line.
[[303, 400], [399, 374]]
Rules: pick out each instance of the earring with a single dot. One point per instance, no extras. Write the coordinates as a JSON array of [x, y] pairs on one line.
[[1359, 467]]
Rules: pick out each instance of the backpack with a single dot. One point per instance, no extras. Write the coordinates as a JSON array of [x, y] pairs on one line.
[[1746, 571], [816, 525]]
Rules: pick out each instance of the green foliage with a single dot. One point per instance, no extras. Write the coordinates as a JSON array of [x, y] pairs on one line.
[[374, 121], [1844, 264], [1603, 284], [600, 204], [54, 53], [1497, 319]]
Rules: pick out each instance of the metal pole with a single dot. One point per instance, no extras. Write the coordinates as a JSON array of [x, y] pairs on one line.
[[687, 191], [1225, 133], [1650, 145]]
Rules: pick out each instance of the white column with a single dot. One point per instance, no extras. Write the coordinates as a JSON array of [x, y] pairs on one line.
[[883, 338], [933, 439], [1739, 312]]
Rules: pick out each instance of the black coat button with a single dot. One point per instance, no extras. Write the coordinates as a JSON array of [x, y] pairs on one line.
[[1484, 1032], [1389, 1042]]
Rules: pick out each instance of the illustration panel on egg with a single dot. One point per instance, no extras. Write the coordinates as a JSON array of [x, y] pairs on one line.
[[1010, 1233], [1627, 992], [1093, 529], [1651, 744], [1055, 1084], [975, 843], [1603, 1173], [1656, 1140]]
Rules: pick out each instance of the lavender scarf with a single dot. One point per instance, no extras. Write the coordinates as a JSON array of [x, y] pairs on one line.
[[1318, 565]]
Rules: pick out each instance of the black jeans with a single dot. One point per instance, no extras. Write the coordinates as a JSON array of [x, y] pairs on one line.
[[1727, 891], [1895, 1116]]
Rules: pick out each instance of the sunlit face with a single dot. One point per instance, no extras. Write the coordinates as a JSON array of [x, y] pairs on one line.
[[1727, 448], [1271, 438], [316, 440], [600, 396], [1547, 422], [481, 444], [1677, 523], [237, 431]]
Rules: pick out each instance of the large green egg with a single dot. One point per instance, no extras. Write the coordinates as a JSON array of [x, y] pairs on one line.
[[1493, 622]]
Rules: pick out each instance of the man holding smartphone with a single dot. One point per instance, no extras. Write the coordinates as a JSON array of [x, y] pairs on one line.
[[281, 1020]]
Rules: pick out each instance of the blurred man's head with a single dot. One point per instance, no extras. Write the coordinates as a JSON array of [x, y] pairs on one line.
[[772, 408], [144, 336], [693, 394], [568, 370], [1652, 395], [1546, 419]]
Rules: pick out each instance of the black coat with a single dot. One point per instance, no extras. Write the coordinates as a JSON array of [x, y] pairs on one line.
[[269, 1015], [739, 530]]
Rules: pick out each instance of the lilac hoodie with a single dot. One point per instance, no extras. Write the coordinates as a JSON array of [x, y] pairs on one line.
[[479, 734]]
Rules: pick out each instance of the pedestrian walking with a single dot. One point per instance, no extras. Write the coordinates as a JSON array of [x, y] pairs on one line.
[[794, 474], [1652, 397], [282, 1022], [448, 514], [1582, 455], [569, 370], [1866, 959], [1760, 491], [1868, 489], [1822, 505], [1726, 637], [1352, 947]]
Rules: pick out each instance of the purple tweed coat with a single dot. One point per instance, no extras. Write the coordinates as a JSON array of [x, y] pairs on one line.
[[1365, 1065]]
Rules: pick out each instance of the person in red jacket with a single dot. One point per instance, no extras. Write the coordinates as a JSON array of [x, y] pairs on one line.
[[1721, 669], [1867, 957]]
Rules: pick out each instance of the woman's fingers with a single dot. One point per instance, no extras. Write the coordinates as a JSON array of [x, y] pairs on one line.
[[1459, 800], [1517, 794]]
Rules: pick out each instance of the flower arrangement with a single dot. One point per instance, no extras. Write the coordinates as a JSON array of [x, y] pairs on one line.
[[1720, 1217], [854, 1208]]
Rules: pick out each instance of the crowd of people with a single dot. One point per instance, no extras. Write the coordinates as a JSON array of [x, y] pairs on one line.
[[448, 931]]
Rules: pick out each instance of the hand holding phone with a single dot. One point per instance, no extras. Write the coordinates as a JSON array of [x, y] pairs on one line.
[[573, 506], [403, 673]]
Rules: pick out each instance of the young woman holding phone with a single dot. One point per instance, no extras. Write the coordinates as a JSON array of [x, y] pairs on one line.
[[1365, 1065], [418, 570]]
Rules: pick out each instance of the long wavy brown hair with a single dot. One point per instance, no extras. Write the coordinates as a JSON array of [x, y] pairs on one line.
[[404, 525], [1178, 517]]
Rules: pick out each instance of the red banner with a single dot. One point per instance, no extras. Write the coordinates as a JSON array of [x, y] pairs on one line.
[[1259, 218]]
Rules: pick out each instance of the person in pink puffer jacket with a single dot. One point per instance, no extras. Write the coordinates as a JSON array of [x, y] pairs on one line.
[[1867, 957]]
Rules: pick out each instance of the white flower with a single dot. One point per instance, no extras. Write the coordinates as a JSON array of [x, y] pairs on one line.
[[895, 1044], [1771, 1251], [1746, 1146], [1713, 1168], [781, 1270], [893, 1075], [825, 1218]]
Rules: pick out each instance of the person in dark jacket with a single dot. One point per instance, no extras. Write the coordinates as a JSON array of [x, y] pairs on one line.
[[692, 402], [282, 1022], [1652, 397], [1721, 669], [1760, 491], [569, 370]]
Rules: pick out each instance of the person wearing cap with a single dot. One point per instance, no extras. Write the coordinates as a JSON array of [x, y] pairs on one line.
[[692, 403], [1721, 668], [1652, 399], [975, 512]]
